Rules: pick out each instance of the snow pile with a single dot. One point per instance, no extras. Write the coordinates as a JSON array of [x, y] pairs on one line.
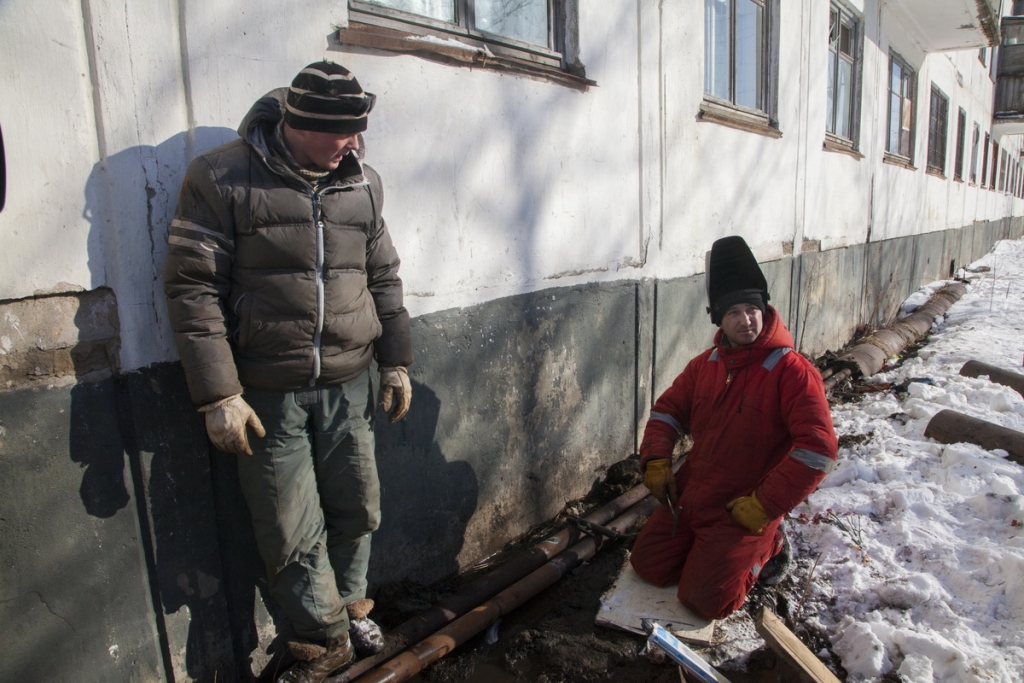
[[919, 545]]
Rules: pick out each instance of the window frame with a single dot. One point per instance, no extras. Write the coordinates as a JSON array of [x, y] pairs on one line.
[[856, 76], [995, 166], [938, 131], [961, 142], [377, 26], [984, 164], [908, 76], [975, 145], [726, 111]]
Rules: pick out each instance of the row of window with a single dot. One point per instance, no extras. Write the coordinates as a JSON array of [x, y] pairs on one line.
[[1004, 172], [740, 42], [737, 51]]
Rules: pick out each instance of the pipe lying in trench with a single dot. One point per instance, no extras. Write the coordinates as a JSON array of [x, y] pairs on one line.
[[432, 648], [488, 585], [869, 355], [949, 426]]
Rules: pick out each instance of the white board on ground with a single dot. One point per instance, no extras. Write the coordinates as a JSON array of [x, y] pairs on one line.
[[632, 599]]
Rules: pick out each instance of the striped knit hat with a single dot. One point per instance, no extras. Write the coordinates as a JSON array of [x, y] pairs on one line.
[[327, 98]]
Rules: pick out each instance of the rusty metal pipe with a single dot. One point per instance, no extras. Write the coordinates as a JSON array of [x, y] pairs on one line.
[[486, 586], [432, 648], [832, 379], [1008, 378], [949, 426]]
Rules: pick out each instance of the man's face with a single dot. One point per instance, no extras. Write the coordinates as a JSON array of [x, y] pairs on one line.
[[741, 324], [316, 150]]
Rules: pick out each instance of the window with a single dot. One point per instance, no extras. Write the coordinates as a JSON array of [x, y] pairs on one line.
[[937, 127], [1002, 170], [902, 85], [843, 67], [526, 31], [995, 165], [974, 153], [736, 52], [984, 163], [983, 55], [961, 139]]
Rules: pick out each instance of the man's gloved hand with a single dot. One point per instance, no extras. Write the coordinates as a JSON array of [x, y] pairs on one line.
[[660, 480], [226, 421], [394, 384], [748, 511]]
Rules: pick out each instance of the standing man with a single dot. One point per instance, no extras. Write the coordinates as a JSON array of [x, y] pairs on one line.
[[762, 442], [282, 287]]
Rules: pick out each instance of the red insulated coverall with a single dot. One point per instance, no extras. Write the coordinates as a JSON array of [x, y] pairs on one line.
[[760, 422]]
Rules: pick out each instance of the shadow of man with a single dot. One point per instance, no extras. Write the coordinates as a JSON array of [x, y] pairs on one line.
[[198, 543], [426, 500]]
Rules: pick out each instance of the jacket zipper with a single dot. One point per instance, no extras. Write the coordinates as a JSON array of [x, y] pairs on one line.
[[321, 273], [318, 332], [318, 223]]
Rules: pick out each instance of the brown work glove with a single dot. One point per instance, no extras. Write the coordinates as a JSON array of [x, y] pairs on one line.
[[226, 421], [394, 384], [748, 511], [660, 480]]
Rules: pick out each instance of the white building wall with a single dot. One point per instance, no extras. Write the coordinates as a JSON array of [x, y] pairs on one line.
[[496, 184]]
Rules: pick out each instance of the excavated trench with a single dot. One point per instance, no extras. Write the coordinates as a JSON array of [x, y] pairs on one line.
[[529, 611]]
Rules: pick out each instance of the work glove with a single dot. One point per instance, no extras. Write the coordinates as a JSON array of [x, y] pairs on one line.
[[394, 384], [226, 421], [660, 480], [748, 511]]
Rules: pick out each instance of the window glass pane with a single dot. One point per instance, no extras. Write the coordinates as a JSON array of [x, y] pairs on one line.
[[525, 20], [442, 10], [716, 48], [846, 40], [1013, 34], [830, 102], [894, 123], [748, 53], [844, 94], [897, 77], [908, 110]]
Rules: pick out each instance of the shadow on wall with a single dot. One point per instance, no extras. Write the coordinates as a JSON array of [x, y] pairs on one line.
[[203, 569], [426, 501]]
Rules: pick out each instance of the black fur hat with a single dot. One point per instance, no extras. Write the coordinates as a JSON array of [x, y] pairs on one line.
[[733, 277]]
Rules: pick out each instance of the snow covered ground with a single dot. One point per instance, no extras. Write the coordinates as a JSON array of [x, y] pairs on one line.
[[920, 545]]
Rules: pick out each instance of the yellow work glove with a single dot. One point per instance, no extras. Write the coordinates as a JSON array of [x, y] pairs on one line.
[[748, 511], [394, 384], [660, 480], [226, 421]]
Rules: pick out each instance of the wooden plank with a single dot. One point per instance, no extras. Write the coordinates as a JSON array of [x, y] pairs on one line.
[[793, 652], [632, 599]]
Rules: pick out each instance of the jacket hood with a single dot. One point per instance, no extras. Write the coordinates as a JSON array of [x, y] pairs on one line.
[[258, 124], [773, 335]]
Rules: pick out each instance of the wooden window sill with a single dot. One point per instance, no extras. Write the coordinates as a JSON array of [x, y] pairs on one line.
[[725, 115], [895, 160], [935, 172], [836, 144]]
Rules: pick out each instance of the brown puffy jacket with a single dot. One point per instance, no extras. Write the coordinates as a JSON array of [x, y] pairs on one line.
[[274, 285]]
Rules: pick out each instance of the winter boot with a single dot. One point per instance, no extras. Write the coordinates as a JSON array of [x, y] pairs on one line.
[[780, 563], [315, 661], [365, 635]]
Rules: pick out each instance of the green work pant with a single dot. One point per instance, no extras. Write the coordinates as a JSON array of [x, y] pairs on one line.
[[312, 489]]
